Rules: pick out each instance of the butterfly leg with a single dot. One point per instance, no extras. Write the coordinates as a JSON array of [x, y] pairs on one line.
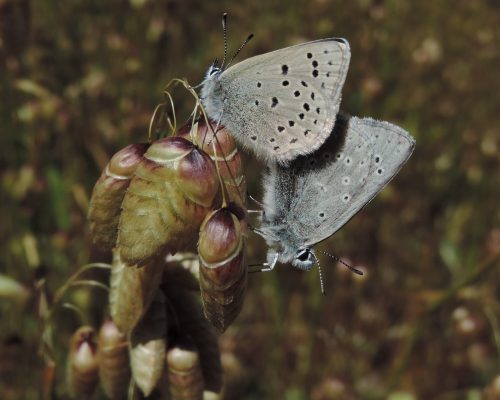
[[264, 267], [260, 212]]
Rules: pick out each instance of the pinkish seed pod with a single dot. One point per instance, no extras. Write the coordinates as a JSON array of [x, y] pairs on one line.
[[148, 345], [82, 365], [114, 364], [185, 376], [223, 271], [131, 291], [172, 190], [225, 154], [185, 309], [107, 196]]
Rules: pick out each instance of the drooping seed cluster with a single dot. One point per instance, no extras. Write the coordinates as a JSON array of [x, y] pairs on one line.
[[172, 352], [174, 191]]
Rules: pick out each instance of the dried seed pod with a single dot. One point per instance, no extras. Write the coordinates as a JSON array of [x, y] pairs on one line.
[[107, 196], [223, 271], [114, 365], [172, 190], [131, 291], [148, 345], [189, 320], [185, 376], [224, 152], [82, 365]]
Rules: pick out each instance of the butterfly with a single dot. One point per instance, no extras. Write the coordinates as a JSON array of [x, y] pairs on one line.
[[315, 195], [280, 104]]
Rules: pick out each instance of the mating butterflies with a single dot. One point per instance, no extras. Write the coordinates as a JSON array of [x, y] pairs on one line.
[[280, 104], [314, 196]]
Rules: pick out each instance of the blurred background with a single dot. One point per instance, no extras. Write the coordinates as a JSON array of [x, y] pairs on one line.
[[79, 80]]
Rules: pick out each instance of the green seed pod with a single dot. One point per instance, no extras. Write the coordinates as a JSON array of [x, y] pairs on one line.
[[172, 190], [114, 364], [225, 154], [185, 376], [107, 196], [223, 271], [148, 345], [82, 365], [131, 291], [185, 309]]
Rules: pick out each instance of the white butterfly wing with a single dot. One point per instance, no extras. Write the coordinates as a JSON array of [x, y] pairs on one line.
[[326, 189], [284, 103]]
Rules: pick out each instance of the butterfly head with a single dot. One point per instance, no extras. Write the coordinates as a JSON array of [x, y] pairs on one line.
[[304, 259], [214, 70]]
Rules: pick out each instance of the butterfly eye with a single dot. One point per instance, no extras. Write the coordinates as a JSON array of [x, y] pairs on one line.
[[303, 255]]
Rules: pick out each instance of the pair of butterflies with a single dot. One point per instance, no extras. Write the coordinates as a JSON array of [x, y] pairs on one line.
[[323, 166]]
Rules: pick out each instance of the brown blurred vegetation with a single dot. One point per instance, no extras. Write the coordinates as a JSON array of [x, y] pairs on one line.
[[80, 79]]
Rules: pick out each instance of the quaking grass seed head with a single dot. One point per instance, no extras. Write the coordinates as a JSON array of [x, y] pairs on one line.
[[223, 270], [82, 363], [222, 150], [107, 196], [185, 312], [132, 290], [172, 190], [184, 371], [114, 363], [148, 345]]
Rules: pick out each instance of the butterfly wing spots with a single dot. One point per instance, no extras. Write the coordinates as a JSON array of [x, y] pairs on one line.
[[292, 93]]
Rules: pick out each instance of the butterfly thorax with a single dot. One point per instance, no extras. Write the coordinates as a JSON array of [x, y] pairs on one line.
[[211, 93]]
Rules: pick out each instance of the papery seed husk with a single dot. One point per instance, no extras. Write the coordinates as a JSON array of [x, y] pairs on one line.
[[131, 291], [184, 372], [148, 345], [171, 191], [223, 271], [82, 364], [188, 314], [221, 307], [225, 154], [114, 363], [107, 196]]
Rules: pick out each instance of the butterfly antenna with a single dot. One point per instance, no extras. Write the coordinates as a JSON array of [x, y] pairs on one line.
[[352, 269], [241, 48], [224, 31], [322, 286]]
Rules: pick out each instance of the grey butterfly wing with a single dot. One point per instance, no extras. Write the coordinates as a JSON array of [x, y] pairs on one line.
[[284, 103], [333, 184]]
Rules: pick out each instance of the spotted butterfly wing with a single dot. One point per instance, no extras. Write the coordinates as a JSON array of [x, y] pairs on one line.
[[284, 103], [317, 194]]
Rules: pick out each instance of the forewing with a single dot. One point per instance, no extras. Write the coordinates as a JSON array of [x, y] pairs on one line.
[[284, 103], [333, 184]]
